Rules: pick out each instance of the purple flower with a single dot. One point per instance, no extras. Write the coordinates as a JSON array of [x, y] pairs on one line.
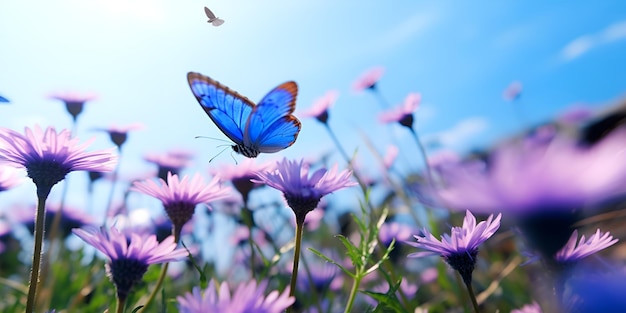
[[119, 134], [460, 248], [247, 298], [403, 114], [529, 308], [574, 251], [74, 102], [301, 192], [368, 79], [180, 197], [319, 109], [543, 183], [240, 174], [71, 218], [167, 162], [129, 258], [9, 178], [49, 156]]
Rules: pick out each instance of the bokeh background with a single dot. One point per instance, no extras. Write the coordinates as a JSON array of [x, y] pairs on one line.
[[135, 54]]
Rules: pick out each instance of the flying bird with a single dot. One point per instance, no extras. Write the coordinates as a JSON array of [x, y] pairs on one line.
[[214, 20]]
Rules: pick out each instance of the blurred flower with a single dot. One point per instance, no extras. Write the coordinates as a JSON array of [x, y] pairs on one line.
[[593, 292], [240, 175], [542, 183], [393, 230], [167, 163], [49, 156], [403, 114], [301, 192], [129, 258], [74, 102], [529, 308], [321, 275], [119, 134], [368, 79], [576, 115], [9, 177], [247, 298], [319, 109], [513, 91], [180, 197], [71, 218], [459, 249], [574, 251]]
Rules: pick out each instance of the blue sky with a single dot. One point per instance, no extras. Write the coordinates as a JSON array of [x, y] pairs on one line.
[[458, 55]]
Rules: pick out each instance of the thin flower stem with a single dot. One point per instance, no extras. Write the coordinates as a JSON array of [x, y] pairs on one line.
[[424, 157], [384, 104], [296, 259], [40, 221], [353, 292], [472, 296]]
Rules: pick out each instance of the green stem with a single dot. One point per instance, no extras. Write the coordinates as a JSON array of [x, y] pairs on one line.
[[296, 258], [353, 292], [40, 220], [472, 296]]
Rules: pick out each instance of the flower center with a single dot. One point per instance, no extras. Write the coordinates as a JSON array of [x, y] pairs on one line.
[[125, 273], [45, 174]]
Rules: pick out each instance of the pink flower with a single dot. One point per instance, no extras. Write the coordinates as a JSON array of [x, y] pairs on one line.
[[404, 113], [368, 79], [74, 101], [319, 109]]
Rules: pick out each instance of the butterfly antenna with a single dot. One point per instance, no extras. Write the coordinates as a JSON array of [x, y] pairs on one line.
[[213, 138], [231, 155], [218, 154]]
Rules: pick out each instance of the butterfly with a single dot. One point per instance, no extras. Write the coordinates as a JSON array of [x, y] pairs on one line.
[[214, 20], [266, 127]]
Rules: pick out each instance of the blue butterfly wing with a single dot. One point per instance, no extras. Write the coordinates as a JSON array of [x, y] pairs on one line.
[[3, 99], [271, 126], [228, 109]]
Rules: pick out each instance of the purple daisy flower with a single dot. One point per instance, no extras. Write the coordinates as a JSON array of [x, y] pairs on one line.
[[74, 102], [180, 197], [49, 156], [574, 251], [129, 258], [240, 174], [459, 249], [247, 298], [403, 114], [301, 192], [368, 79], [319, 109], [543, 183]]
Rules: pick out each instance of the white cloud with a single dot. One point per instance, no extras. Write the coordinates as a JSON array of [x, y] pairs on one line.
[[582, 44], [459, 135]]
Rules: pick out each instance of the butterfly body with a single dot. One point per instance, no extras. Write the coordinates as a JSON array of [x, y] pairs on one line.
[[266, 127]]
